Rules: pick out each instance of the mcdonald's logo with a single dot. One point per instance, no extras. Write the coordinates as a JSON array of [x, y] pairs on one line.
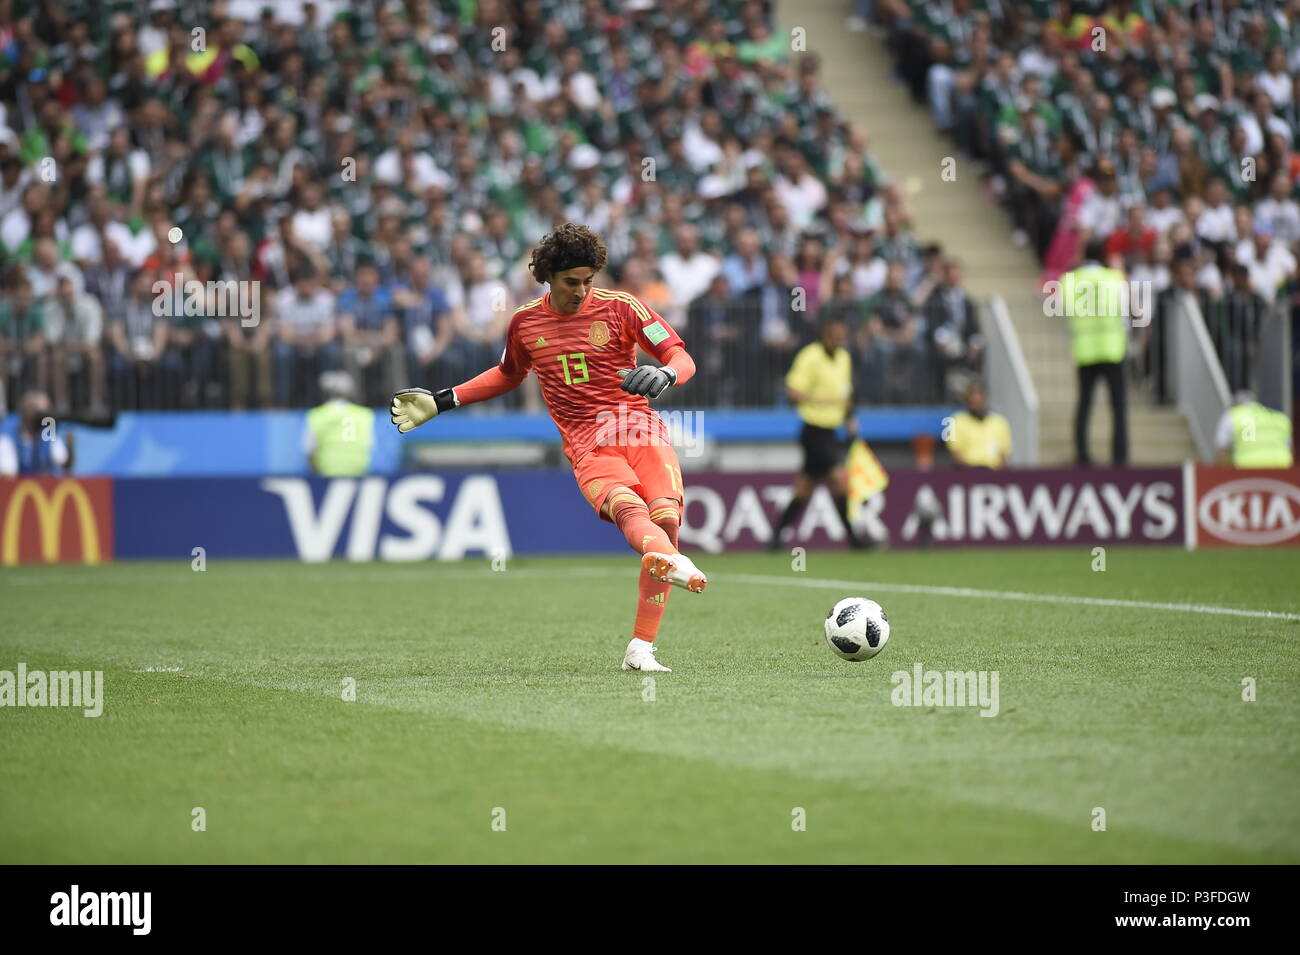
[[52, 538]]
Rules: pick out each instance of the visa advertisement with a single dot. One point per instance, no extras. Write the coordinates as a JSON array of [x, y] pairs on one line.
[[457, 515]]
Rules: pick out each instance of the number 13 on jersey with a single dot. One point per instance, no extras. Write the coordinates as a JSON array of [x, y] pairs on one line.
[[576, 373]]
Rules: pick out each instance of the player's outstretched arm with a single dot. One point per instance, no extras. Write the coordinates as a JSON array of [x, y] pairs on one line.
[[412, 407]]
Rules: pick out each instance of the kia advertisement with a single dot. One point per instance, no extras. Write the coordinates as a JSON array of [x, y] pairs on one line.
[[1239, 508]]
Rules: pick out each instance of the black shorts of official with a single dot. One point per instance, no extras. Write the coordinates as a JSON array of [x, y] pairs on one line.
[[823, 452]]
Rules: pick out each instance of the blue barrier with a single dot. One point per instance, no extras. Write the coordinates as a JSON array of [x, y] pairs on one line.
[[720, 424], [230, 444], [210, 444]]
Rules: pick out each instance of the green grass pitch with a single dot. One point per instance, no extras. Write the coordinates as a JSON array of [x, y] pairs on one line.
[[480, 691]]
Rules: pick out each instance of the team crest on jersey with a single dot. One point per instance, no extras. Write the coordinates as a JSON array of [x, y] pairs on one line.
[[598, 334], [593, 489]]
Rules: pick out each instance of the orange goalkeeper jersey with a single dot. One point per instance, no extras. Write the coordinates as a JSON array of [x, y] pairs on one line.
[[577, 359]]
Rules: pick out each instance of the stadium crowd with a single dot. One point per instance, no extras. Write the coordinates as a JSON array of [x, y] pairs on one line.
[[1166, 130], [382, 169]]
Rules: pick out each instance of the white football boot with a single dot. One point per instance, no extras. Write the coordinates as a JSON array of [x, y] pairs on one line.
[[640, 655], [675, 569]]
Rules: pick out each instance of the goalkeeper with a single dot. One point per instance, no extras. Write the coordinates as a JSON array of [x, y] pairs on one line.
[[581, 341]]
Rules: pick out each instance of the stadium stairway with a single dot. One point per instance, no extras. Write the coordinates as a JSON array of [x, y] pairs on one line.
[[966, 221]]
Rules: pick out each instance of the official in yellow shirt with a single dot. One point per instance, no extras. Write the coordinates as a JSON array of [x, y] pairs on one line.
[[979, 438], [820, 380], [820, 385]]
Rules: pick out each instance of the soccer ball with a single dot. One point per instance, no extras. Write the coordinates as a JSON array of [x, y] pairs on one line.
[[857, 629]]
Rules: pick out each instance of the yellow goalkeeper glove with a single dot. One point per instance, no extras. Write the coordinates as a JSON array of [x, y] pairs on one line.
[[414, 406]]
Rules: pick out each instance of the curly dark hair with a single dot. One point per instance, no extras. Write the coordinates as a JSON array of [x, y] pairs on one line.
[[568, 247]]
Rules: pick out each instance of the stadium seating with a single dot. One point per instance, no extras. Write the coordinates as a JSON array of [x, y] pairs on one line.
[[371, 183], [1166, 131]]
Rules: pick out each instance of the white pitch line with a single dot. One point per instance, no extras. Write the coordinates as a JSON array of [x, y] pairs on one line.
[[372, 571], [861, 585]]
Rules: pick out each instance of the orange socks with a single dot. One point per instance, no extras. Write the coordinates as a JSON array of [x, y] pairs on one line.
[[651, 599], [633, 519], [646, 530], [652, 596]]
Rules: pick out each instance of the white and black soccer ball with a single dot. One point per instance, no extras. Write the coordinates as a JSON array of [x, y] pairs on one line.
[[857, 628]]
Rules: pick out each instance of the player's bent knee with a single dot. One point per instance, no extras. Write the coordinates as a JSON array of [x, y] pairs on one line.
[[620, 498], [666, 513], [666, 509]]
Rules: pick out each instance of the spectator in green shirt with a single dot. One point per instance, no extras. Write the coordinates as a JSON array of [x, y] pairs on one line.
[[39, 141], [22, 340], [762, 45]]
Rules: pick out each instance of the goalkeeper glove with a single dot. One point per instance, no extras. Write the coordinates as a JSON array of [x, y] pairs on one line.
[[414, 406], [648, 380]]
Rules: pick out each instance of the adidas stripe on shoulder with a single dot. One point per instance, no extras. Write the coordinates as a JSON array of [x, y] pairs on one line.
[[627, 299]]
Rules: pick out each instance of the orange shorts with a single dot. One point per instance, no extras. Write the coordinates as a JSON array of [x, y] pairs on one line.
[[651, 471]]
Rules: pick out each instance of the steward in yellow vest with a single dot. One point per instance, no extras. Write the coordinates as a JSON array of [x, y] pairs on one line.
[[1096, 297], [1254, 436], [1097, 300], [339, 435]]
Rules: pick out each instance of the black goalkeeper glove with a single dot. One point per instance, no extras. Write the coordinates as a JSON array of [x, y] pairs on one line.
[[648, 380]]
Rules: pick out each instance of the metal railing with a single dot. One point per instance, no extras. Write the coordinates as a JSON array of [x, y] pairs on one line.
[[1273, 366], [1199, 384], [1011, 389]]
